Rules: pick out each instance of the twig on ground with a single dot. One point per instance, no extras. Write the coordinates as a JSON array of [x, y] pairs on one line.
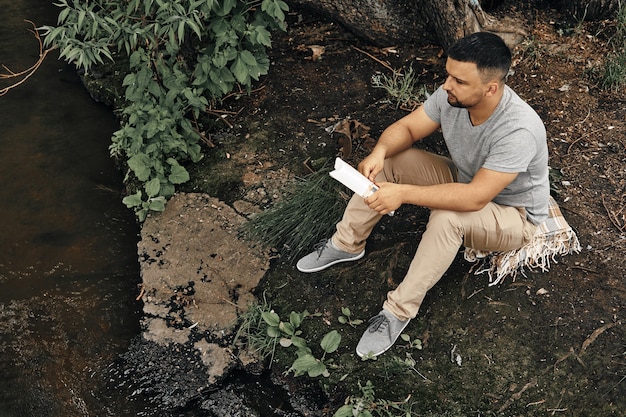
[[516, 396], [384, 64], [582, 268], [586, 117], [203, 137], [612, 217], [141, 292], [595, 335], [569, 148]]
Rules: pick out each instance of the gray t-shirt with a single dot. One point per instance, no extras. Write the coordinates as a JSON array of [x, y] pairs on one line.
[[513, 139]]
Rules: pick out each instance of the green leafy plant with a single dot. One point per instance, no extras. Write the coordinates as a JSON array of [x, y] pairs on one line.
[[182, 55], [288, 332], [253, 330], [346, 318], [263, 331], [312, 366], [367, 405], [409, 363], [411, 343]]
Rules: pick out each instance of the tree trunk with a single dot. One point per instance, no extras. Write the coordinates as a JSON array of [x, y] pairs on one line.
[[394, 22], [397, 22]]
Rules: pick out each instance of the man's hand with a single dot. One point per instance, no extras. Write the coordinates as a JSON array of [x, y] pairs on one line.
[[372, 165], [387, 199]]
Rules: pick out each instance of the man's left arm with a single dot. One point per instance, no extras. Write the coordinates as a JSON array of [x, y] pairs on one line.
[[483, 188]]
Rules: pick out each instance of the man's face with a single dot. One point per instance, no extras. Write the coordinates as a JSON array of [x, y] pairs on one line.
[[464, 86]]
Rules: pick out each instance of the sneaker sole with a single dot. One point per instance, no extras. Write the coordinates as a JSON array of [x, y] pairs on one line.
[[321, 268], [374, 354]]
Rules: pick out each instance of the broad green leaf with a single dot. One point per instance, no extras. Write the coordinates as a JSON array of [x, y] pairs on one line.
[[181, 31], [304, 363], [248, 58], [140, 164], [142, 214], [299, 342], [286, 328], [178, 175], [330, 342], [167, 190], [262, 36], [273, 331], [81, 18], [133, 200], [344, 411], [157, 204], [271, 318], [318, 369], [194, 26], [153, 187], [295, 319], [240, 71]]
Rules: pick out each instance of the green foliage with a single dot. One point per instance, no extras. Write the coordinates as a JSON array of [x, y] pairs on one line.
[[307, 215], [367, 405], [346, 318], [264, 331], [182, 55], [614, 72], [402, 87], [411, 343], [253, 330], [308, 364]]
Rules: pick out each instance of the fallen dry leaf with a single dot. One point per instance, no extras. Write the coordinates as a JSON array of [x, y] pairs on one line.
[[318, 51]]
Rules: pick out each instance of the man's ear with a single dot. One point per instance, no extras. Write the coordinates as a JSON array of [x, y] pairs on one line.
[[493, 88]]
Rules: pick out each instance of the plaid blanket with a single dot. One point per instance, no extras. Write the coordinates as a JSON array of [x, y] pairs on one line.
[[553, 237]]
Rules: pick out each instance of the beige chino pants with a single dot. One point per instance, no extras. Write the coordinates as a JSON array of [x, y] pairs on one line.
[[493, 228]]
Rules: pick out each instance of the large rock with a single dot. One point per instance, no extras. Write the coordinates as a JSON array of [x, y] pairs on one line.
[[198, 276]]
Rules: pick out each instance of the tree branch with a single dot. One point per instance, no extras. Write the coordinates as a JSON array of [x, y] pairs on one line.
[[18, 78]]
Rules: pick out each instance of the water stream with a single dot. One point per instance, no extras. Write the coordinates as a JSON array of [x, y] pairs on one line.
[[68, 246], [68, 265]]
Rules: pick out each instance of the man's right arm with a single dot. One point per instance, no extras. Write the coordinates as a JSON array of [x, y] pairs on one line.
[[396, 138]]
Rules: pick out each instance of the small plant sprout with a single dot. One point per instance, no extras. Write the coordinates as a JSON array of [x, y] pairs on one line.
[[369, 357], [346, 318], [411, 344], [410, 363], [288, 333]]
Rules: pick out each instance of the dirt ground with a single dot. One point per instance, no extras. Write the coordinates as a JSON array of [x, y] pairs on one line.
[[547, 344]]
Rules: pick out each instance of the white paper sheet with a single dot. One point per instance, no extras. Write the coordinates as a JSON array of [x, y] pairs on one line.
[[353, 179]]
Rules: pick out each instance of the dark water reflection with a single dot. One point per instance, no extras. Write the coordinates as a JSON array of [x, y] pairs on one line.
[[68, 266]]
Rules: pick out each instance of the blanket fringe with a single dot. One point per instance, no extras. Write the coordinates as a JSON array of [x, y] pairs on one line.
[[538, 254]]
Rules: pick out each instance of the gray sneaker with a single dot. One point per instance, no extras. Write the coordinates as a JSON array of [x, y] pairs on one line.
[[381, 334], [325, 254]]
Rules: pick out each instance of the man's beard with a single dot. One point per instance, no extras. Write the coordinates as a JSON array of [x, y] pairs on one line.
[[465, 104], [458, 104]]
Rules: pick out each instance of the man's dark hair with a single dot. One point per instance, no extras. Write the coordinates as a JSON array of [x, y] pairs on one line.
[[487, 50]]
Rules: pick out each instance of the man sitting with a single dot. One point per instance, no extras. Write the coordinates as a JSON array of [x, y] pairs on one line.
[[489, 195]]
